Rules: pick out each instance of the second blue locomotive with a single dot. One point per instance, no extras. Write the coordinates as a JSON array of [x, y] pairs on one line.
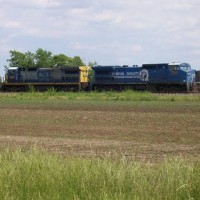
[[152, 77]]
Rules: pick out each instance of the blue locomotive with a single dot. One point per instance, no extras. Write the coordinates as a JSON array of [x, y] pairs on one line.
[[152, 77], [170, 77]]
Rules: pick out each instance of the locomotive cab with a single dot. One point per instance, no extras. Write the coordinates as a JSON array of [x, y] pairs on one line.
[[12, 75], [170, 76], [183, 75]]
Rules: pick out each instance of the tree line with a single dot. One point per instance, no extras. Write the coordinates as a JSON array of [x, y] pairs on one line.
[[43, 58]]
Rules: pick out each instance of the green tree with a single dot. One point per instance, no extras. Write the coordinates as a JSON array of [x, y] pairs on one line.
[[17, 59], [61, 60], [43, 58], [77, 61], [30, 59]]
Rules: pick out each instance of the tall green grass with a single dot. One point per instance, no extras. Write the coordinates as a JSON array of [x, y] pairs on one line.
[[39, 175], [128, 95]]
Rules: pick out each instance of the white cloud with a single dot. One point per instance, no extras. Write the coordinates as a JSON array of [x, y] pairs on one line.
[[116, 48], [184, 5], [32, 3]]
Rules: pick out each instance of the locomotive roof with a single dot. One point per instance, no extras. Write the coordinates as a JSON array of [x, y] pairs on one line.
[[175, 63], [66, 68], [178, 63], [13, 68], [111, 67], [171, 63], [70, 68], [100, 66], [104, 67]]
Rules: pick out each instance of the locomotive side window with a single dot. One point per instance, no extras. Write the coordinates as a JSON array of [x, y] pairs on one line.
[[173, 68]]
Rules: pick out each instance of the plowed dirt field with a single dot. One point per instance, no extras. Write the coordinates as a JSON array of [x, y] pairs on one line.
[[142, 132]]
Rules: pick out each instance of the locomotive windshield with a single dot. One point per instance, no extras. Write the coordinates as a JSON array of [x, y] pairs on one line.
[[180, 66], [185, 68], [12, 72]]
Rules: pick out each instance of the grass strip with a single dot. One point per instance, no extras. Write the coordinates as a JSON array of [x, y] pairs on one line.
[[101, 96], [38, 175]]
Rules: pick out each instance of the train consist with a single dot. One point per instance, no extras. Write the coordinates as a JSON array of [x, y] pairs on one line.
[[162, 77]]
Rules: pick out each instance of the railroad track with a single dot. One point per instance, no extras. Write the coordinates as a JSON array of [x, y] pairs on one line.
[[177, 93]]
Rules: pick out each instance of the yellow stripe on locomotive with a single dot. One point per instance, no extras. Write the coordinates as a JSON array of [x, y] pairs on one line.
[[84, 74]]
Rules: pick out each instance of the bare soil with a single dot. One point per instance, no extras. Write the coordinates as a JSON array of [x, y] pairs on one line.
[[142, 133]]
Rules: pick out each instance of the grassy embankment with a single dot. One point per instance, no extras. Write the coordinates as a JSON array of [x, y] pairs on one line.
[[37, 175], [130, 98], [101, 96]]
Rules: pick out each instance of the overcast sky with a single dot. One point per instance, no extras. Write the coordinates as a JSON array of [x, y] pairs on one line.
[[122, 32]]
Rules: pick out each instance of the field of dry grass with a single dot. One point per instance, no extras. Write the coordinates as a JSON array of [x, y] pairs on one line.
[[146, 131]]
